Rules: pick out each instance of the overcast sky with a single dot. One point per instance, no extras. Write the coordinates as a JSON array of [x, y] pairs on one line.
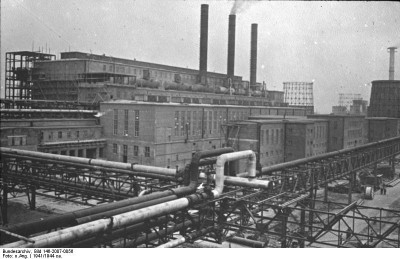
[[341, 46]]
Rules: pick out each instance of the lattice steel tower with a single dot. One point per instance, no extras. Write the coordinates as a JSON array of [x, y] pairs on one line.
[[298, 93]]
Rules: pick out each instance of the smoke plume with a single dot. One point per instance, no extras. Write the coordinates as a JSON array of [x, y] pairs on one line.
[[238, 6]]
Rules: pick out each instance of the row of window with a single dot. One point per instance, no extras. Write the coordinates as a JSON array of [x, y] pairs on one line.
[[190, 123], [159, 74], [271, 136], [16, 140], [146, 150], [60, 134], [126, 122]]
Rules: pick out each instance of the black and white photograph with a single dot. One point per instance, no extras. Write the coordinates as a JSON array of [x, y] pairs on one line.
[[134, 124]]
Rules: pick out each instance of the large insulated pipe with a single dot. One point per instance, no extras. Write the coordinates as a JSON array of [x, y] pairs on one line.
[[391, 51], [87, 230], [70, 218], [219, 171], [203, 43], [231, 46], [253, 56]]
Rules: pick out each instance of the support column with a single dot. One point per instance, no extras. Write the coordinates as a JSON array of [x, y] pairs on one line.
[[302, 226], [84, 152], [392, 160], [326, 185], [284, 215], [351, 182], [312, 204], [32, 204], [4, 202]]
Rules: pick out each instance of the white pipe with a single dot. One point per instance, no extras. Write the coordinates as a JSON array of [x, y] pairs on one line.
[[173, 243], [68, 235], [240, 181], [94, 162], [220, 165]]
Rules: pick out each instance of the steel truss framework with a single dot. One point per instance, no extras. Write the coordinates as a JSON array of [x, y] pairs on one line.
[[83, 184], [290, 212]]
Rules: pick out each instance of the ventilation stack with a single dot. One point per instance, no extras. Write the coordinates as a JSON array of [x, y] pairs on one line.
[[253, 57], [203, 44]]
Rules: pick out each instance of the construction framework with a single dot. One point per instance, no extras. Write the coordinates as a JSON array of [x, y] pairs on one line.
[[18, 78]]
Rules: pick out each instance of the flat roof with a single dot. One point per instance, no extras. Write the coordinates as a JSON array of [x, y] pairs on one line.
[[89, 56], [127, 102], [382, 118], [335, 115]]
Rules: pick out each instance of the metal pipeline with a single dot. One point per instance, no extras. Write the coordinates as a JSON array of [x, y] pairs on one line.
[[109, 169], [239, 181], [192, 173], [121, 210], [70, 219], [188, 238], [94, 162], [222, 159], [86, 230], [134, 229], [154, 235], [247, 242]]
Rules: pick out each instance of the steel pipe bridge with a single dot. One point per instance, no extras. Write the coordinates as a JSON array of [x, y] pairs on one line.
[[285, 205]]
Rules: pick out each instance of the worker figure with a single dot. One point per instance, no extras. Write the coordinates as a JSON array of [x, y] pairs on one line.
[[384, 189]]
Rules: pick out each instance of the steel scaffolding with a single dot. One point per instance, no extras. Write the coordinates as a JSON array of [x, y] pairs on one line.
[[18, 77]]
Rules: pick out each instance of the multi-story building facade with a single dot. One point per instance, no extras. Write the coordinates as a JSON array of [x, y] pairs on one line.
[[73, 137], [168, 134], [344, 131]]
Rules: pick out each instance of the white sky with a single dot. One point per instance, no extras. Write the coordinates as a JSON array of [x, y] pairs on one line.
[[340, 45]]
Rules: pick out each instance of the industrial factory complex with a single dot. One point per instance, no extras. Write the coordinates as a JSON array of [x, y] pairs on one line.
[[164, 156]]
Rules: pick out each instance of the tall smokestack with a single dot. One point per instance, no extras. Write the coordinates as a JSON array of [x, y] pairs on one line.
[[253, 56], [231, 46], [203, 43], [392, 50]]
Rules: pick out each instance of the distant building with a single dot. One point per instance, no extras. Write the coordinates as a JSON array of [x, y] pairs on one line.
[[168, 134], [382, 128], [73, 137], [344, 131], [279, 140]]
